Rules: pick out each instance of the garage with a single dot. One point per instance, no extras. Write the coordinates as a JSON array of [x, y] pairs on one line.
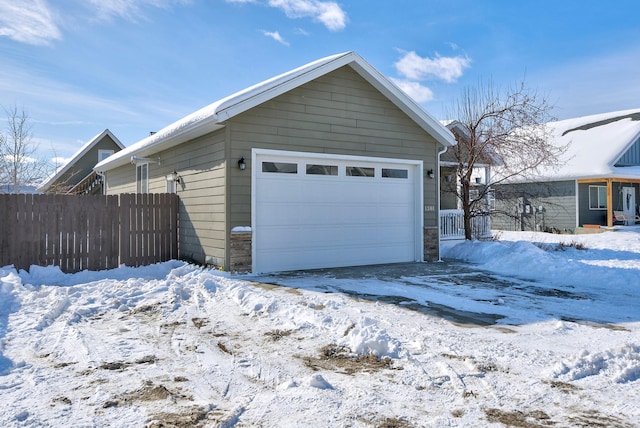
[[319, 210]]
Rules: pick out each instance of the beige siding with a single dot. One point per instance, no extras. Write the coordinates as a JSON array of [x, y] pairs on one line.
[[201, 167], [339, 113]]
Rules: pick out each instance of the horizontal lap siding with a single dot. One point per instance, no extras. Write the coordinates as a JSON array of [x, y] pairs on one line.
[[200, 163], [339, 113], [201, 166], [558, 200]]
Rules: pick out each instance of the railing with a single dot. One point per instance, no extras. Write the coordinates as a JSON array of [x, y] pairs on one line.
[[452, 225], [87, 185]]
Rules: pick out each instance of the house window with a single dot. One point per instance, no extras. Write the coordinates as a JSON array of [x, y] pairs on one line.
[[598, 197], [360, 171], [103, 154], [142, 178], [280, 167], [395, 173], [313, 169]]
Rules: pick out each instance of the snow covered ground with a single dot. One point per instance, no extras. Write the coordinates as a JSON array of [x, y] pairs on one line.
[[177, 345]]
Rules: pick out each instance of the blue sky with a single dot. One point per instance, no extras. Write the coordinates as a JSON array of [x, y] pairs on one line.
[[135, 66]]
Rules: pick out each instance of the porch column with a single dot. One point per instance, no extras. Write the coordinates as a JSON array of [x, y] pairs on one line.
[[609, 203]]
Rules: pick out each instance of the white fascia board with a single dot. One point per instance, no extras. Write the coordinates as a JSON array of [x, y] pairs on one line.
[[288, 81], [404, 102], [159, 142], [211, 117], [269, 89]]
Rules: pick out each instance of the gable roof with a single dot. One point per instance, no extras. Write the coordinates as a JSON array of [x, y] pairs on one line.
[[213, 116], [595, 144], [460, 132], [78, 155]]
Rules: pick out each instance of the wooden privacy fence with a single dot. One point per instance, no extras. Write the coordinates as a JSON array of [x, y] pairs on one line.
[[78, 232]]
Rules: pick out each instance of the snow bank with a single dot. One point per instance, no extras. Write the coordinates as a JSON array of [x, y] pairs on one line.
[[551, 264], [620, 365]]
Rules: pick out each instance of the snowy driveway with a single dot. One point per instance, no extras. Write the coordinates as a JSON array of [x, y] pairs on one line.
[[464, 293]]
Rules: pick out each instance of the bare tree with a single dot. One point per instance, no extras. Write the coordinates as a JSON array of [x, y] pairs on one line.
[[505, 128], [18, 163]]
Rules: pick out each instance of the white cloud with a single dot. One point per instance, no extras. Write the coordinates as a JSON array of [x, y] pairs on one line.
[[28, 21], [415, 90], [329, 13], [20, 159], [414, 67], [37, 22], [59, 161], [129, 9], [276, 36]]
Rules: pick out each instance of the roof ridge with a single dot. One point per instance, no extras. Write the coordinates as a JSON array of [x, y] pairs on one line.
[[586, 127]]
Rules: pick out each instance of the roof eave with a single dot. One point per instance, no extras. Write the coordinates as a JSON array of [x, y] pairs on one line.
[[213, 116], [229, 109], [160, 143]]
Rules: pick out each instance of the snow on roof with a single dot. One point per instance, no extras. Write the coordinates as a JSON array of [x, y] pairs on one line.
[[594, 144], [213, 116], [77, 155]]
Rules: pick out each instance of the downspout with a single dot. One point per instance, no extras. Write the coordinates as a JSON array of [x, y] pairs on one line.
[[441, 152]]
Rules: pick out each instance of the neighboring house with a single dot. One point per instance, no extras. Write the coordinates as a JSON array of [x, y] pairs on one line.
[[77, 175], [596, 184], [326, 165]]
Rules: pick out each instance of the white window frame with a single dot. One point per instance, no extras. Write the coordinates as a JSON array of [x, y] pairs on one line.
[[601, 205], [142, 177], [103, 154]]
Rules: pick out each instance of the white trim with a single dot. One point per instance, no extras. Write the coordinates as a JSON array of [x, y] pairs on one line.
[[138, 180], [418, 189], [599, 187]]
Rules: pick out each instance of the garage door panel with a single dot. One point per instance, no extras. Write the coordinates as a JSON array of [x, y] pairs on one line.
[[304, 221], [299, 238], [333, 257]]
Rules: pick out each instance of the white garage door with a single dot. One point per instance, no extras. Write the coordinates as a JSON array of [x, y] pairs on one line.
[[315, 211]]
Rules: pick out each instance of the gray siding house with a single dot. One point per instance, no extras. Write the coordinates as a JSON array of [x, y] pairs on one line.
[[326, 165], [77, 176], [596, 186]]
